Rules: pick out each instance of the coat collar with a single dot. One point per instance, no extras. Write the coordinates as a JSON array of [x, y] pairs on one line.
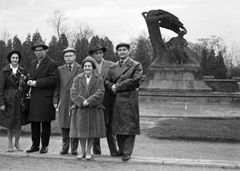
[[41, 66], [92, 81], [7, 68], [96, 69], [104, 68], [76, 68], [123, 69]]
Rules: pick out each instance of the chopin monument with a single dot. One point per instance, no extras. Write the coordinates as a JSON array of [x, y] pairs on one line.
[[172, 69]]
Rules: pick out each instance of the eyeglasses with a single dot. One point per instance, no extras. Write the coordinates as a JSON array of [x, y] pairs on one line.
[[68, 56], [39, 50]]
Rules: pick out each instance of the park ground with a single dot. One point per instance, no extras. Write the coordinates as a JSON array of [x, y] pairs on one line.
[[149, 153]]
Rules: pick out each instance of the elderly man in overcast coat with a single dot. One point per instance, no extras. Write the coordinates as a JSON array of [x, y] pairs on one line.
[[122, 82], [62, 100], [43, 81]]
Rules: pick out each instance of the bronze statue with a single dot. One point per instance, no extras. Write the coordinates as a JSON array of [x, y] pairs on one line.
[[175, 47], [173, 51]]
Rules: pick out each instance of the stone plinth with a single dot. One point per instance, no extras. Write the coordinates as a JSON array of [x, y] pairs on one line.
[[223, 85], [174, 78]]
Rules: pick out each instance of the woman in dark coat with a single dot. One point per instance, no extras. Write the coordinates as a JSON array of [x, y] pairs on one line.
[[12, 85], [87, 121]]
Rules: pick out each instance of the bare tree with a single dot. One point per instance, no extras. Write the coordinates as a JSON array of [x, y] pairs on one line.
[[81, 31], [232, 59], [234, 54], [57, 20], [5, 36]]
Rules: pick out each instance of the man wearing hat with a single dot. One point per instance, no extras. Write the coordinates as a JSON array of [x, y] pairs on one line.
[[102, 67], [43, 81], [62, 101], [122, 83]]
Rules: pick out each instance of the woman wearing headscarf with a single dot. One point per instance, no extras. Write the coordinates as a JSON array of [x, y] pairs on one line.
[[87, 121], [12, 85]]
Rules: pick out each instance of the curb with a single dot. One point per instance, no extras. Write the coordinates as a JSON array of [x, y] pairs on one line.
[[138, 160], [191, 117]]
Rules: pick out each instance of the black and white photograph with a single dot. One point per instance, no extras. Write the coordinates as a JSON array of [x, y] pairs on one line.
[[124, 85]]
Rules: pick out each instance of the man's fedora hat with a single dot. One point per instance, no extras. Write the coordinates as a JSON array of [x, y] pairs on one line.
[[68, 50], [95, 48], [123, 45], [39, 43]]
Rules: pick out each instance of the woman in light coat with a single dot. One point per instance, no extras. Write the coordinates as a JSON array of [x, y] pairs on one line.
[[87, 121]]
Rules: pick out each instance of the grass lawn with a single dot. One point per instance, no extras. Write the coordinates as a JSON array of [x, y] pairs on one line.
[[216, 130], [197, 130], [26, 129]]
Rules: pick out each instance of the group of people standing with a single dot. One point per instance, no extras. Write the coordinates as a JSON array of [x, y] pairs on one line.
[[96, 99]]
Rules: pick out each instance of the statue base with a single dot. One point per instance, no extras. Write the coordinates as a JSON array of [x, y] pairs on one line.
[[174, 78]]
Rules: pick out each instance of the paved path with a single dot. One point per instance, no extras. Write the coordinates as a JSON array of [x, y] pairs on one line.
[[151, 151]]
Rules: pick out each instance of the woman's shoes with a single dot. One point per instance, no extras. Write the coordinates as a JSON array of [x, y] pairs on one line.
[[18, 148], [10, 150], [88, 156], [81, 155]]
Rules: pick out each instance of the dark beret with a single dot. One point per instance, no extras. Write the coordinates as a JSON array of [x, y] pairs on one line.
[[123, 45]]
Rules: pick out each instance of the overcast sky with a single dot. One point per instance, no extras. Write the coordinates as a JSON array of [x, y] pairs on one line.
[[121, 20]]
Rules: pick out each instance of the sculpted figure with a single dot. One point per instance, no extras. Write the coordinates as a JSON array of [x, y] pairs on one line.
[[171, 52], [176, 47]]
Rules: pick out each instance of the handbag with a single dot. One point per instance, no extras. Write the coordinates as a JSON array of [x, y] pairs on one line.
[[25, 101], [25, 104]]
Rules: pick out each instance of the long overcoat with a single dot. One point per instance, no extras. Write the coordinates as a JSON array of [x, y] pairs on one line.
[[125, 102], [87, 122], [62, 92], [10, 96], [106, 100], [41, 103]]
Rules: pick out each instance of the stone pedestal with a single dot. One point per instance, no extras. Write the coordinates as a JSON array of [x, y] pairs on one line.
[[174, 78], [222, 85]]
